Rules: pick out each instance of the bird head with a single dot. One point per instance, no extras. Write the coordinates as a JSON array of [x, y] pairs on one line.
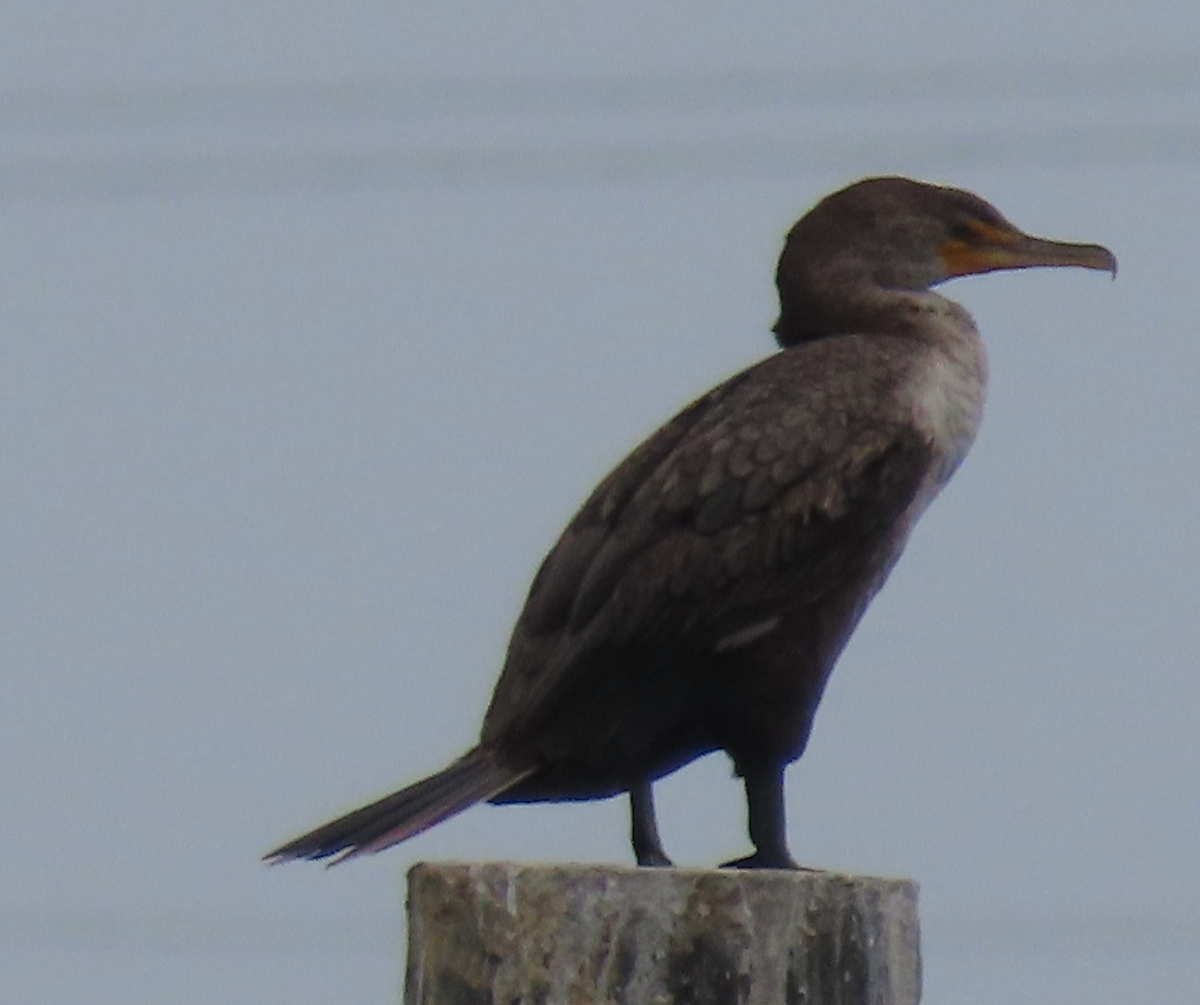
[[895, 234]]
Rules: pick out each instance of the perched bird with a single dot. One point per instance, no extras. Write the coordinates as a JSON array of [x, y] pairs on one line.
[[700, 598]]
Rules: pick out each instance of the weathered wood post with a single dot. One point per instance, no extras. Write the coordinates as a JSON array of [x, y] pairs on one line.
[[508, 934]]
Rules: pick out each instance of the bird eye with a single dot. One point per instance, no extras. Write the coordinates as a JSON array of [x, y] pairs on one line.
[[965, 228]]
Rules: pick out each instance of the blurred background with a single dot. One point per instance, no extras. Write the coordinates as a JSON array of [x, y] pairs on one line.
[[317, 321]]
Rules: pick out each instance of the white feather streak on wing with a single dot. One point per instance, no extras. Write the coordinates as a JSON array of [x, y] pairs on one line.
[[744, 636]]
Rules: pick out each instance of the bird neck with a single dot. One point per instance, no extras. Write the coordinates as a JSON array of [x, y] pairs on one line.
[[865, 310]]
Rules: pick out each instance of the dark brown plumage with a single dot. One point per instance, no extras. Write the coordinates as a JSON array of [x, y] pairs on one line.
[[700, 598]]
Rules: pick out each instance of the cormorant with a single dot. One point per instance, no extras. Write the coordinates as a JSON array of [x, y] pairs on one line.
[[700, 598]]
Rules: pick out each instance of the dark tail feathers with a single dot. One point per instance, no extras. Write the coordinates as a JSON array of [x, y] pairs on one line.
[[476, 776]]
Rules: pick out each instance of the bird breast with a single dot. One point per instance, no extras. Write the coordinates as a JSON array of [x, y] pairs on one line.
[[946, 389]]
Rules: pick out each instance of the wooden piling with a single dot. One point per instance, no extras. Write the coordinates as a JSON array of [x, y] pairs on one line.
[[509, 934]]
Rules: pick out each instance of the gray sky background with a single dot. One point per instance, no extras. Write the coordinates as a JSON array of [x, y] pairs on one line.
[[318, 320]]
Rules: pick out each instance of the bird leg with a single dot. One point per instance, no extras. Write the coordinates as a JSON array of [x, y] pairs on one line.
[[647, 846], [767, 820]]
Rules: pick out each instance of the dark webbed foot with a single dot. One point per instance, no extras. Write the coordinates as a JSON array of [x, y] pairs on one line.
[[760, 860], [647, 846], [767, 820]]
